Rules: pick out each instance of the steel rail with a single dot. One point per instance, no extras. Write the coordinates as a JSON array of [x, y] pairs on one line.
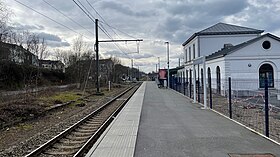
[[95, 136]]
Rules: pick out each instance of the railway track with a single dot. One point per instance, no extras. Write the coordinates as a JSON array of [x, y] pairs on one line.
[[79, 138]]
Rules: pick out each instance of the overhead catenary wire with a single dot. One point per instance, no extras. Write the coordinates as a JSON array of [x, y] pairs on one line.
[[104, 21], [48, 17], [118, 30], [84, 11], [91, 17], [67, 17]]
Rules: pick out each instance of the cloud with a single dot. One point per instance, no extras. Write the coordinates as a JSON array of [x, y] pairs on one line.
[[127, 55], [142, 55], [125, 9], [25, 27], [156, 21], [116, 54], [55, 44], [259, 14], [49, 37]]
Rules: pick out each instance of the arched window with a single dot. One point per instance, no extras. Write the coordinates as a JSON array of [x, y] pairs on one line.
[[266, 72], [218, 76]]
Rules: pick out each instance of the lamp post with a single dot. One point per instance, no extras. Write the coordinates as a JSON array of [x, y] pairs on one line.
[[167, 43], [158, 63]]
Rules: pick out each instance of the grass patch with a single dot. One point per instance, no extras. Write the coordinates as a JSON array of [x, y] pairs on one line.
[[62, 97], [25, 126]]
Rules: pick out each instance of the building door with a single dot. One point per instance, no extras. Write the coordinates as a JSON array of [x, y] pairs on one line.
[[266, 72], [218, 71]]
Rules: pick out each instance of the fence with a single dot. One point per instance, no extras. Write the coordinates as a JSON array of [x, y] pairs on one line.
[[241, 100]]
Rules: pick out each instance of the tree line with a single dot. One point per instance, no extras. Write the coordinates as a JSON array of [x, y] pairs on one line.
[[79, 60]]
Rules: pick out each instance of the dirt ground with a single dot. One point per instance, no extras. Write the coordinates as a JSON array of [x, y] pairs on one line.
[[25, 124]]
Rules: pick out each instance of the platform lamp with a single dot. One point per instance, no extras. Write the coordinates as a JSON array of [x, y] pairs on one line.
[[167, 49]]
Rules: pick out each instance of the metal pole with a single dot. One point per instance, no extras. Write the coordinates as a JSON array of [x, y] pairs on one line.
[[229, 98], [266, 108], [184, 83], [194, 85], [138, 74], [204, 83], [97, 56], [210, 91], [190, 83], [198, 84], [167, 64], [131, 69], [158, 63], [156, 68]]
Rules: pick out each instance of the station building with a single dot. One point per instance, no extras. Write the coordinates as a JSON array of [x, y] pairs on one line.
[[245, 54]]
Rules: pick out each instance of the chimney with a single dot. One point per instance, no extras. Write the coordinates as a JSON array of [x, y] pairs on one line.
[[228, 45]]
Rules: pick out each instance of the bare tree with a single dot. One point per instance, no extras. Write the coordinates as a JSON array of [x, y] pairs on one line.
[[5, 14], [43, 53], [78, 46]]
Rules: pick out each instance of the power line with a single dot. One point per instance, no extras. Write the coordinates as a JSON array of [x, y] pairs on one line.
[[91, 17], [47, 17], [104, 21], [84, 11], [67, 17], [118, 30]]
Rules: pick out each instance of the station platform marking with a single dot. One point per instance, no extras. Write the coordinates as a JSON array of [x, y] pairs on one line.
[[119, 139]]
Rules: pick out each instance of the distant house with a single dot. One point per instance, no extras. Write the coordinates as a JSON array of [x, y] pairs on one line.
[[17, 54], [52, 65], [105, 69]]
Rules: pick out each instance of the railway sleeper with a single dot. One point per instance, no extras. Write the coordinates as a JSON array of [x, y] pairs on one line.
[[67, 141], [93, 124], [77, 138], [64, 147], [86, 130], [87, 127], [82, 133], [96, 119], [60, 152]]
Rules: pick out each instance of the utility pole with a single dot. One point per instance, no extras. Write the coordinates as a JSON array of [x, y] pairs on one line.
[[138, 74], [97, 49], [167, 63], [131, 69], [156, 68], [179, 62], [97, 58], [158, 63]]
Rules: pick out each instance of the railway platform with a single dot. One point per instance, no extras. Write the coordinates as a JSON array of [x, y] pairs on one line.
[[159, 122]]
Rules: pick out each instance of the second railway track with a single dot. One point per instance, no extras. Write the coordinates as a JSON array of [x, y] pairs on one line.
[[78, 139]]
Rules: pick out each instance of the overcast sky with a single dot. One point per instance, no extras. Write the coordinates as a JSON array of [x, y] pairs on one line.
[[154, 21]]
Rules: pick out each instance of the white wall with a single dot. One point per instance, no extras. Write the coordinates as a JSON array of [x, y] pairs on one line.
[[213, 66], [186, 49], [210, 44], [245, 63]]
